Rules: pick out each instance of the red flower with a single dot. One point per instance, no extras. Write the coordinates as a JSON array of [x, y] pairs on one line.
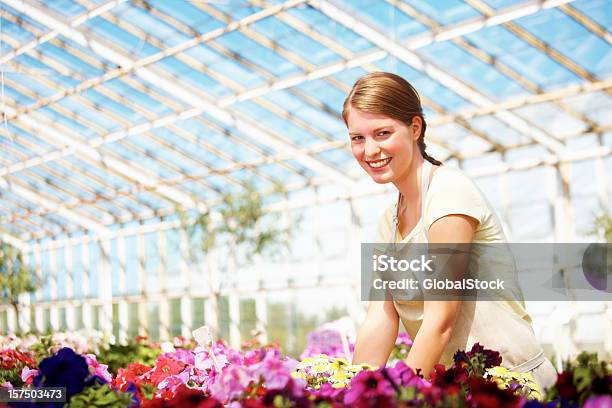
[[11, 359], [486, 394], [133, 374], [165, 367], [565, 386], [185, 398]]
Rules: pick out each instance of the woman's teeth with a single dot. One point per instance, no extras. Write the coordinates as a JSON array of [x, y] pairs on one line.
[[380, 163]]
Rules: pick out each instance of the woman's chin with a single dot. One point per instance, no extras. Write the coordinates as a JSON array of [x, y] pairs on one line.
[[383, 178]]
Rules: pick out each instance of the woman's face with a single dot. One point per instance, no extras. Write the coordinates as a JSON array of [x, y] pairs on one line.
[[383, 146]]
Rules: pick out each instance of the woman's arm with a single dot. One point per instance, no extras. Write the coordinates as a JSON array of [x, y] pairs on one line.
[[439, 316], [376, 337]]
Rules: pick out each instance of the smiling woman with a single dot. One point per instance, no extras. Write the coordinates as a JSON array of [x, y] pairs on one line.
[[386, 127]]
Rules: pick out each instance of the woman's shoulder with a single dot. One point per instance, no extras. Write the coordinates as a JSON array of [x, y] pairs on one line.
[[447, 175]]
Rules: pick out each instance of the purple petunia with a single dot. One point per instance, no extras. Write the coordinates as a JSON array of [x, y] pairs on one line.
[[368, 385], [64, 369]]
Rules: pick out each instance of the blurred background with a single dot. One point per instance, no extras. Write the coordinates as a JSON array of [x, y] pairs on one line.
[[170, 164]]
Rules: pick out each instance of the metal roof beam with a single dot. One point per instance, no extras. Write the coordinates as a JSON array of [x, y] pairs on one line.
[[539, 44], [53, 206], [587, 22], [87, 15], [365, 29], [522, 101], [68, 143]]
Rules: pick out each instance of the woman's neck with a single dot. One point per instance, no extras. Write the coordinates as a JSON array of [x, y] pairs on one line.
[[410, 185]]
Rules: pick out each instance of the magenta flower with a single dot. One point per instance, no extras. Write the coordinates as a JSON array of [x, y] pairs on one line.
[[275, 371], [368, 385], [101, 370], [403, 339], [405, 376], [186, 356], [598, 401], [172, 382], [28, 374], [230, 383]]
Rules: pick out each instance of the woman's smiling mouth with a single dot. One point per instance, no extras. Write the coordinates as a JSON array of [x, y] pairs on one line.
[[378, 164]]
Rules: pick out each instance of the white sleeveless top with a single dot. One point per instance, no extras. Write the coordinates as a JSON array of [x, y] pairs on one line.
[[502, 325]]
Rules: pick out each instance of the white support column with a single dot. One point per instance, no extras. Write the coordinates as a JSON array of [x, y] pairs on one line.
[[564, 211], [233, 298], [143, 328], [164, 309], [211, 307], [600, 177], [106, 289], [25, 323], [356, 308], [87, 310], [185, 279], [69, 273], [234, 316], [261, 314], [122, 285], [11, 320], [505, 201], [53, 312], [38, 295]]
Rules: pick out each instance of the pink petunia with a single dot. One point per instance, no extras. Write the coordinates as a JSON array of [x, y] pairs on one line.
[[28, 374], [101, 370], [230, 383]]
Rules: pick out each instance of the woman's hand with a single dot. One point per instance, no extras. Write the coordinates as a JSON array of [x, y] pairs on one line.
[[376, 337], [439, 316]]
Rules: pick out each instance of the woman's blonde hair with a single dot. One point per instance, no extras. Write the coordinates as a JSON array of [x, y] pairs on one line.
[[390, 95]]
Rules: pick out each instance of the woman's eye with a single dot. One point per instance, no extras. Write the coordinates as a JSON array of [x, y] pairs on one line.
[[383, 133], [356, 138]]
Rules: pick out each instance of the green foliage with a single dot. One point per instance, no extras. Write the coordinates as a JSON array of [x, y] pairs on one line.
[[13, 376], [581, 379], [242, 220], [117, 356], [101, 396], [603, 226], [16, 278]]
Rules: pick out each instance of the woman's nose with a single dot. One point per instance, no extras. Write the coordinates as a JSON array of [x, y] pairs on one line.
[[371, 148]]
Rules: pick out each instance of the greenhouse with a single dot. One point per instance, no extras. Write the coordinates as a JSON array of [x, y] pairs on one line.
[[182, 181]]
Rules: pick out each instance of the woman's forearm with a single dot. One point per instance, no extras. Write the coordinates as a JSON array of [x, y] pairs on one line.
[[376, 337], [428, 346]]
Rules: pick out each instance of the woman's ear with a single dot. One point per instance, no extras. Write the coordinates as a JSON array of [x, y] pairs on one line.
[[416, 126]]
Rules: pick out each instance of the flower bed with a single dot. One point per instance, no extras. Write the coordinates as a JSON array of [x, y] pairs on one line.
[[206, 374]]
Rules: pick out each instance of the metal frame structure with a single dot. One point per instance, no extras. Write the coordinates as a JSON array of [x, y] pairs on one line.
[[116, 112]]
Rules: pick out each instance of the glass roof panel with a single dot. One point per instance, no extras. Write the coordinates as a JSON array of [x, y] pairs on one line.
[[521, 57], [386, 18], [574, 41], [480, 75], [557, 124], [597, 10], [258, 54], [15, 31], [188, 13], [597, 106], [331, 29], [297, 135], [125, 41], [67, 8]]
